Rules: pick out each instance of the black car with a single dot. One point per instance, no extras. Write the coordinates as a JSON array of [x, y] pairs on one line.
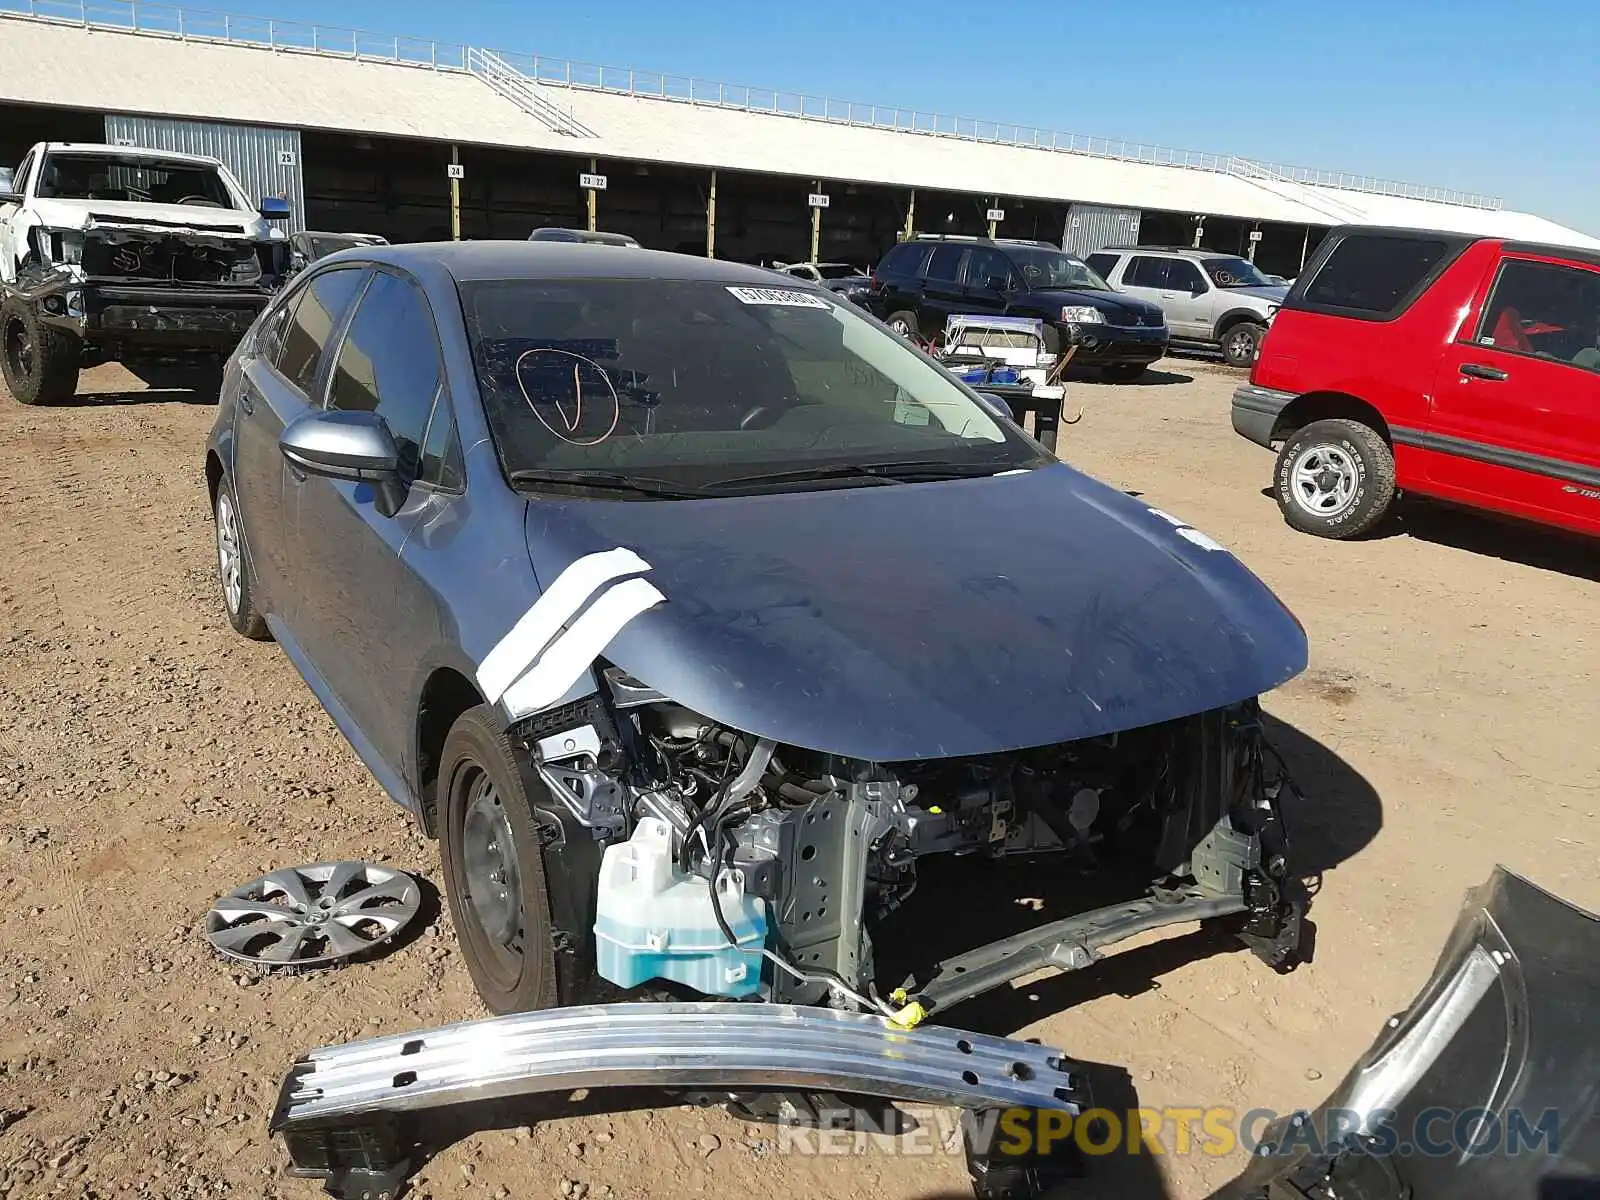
[[923, 281]]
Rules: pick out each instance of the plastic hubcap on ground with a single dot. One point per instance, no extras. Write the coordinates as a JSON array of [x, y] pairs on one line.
[[494, 887], [1324, 480], [229, 561], [314, 915]]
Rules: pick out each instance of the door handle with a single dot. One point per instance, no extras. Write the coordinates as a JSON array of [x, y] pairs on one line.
[[247, 403], [1479, 371]]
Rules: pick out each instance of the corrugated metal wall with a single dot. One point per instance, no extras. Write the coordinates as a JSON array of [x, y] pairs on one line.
[[1091, 226], [266, 161]]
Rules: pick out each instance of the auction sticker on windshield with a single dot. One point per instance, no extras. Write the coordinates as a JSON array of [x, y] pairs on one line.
[[756, 295]]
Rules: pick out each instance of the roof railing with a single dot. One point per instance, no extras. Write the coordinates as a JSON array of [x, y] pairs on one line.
[[154, 18]]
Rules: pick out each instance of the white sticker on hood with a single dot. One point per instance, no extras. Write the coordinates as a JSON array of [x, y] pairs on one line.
[[1188, 532], [783, 296], [535, 630]]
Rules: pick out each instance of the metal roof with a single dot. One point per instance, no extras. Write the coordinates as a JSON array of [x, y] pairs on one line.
[[361, 83]]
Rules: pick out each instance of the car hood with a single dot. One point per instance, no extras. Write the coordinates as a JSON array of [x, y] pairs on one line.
[[119, 215], [1273, 292], [926, 620], [1107, 302]]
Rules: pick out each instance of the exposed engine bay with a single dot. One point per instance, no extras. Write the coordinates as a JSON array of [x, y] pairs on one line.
[[732, 865]]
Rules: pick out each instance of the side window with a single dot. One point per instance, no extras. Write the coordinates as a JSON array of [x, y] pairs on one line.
[[1145, 271], [1103, 264], [321, 307], [985, 266], [269, 342], [1546, 310], [389, 364], [945, 264], [904, 259], [1183, 276], [1373, 275], [441, 465]]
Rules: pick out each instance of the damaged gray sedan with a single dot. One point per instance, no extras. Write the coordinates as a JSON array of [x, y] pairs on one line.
[[699, 616]]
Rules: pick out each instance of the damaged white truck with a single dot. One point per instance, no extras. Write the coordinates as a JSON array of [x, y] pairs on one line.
[[115, 253]]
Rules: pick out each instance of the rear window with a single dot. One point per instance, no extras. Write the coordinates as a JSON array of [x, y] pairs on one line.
[[1373, 276]]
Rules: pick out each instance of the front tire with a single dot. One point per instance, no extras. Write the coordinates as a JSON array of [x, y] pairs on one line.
[[1335, 479], [1122, 372], [494, 867], [39, 361], [1241, 343], [233, 567], [904, 323]]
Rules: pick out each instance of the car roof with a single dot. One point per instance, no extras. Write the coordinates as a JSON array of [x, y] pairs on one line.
[[470, 261], [1181, 251], [131, 151], [1548, 249]]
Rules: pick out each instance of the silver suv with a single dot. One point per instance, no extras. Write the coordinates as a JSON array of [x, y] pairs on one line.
[[1212, 300]]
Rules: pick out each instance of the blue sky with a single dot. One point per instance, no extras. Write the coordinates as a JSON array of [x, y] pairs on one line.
[[1494, 97]]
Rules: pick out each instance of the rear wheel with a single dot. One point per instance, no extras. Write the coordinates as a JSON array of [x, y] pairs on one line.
[[39, 361], [494, 867], [1122, 372], [903, 322], [233, 568], [1241, 343], [1335, 479]]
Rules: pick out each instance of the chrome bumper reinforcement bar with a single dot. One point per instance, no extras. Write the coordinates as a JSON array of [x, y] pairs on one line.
[[343, 1109]]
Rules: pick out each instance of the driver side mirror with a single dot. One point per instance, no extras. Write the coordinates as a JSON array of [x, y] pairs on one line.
[[274, 208], [998, 283], [1198, 288], [348, 445]]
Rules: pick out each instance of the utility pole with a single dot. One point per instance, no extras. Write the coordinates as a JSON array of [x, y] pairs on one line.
[[711, 218], [816, 222], [911, 216], [455, 193]]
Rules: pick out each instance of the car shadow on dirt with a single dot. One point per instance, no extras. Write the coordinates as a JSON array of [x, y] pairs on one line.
[[1480, 533], [1524, 542], [141, 396], [1150, 378]]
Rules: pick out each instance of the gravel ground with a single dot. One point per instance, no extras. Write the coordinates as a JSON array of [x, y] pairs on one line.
[[150, 759]]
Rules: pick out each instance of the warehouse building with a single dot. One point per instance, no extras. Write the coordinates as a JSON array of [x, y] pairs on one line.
[[416, 139]]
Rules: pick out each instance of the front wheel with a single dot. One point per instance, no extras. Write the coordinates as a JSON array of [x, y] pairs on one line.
[[494, 867], [1122, 372], [1335, 479], [39, 361], [1242, 343], [233, 568]]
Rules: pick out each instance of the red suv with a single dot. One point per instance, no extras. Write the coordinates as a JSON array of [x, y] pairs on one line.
[[1462, 368]]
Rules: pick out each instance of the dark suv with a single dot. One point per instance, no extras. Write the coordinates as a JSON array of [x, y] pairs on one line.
[[923, 281]]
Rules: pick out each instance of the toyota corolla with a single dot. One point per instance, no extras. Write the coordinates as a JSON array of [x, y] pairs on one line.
[[695, 614]]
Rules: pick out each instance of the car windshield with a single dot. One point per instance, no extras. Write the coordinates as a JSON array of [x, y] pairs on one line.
[[837, 270], [701, 384], [1045, 268], [1235, 273], [132, 177]]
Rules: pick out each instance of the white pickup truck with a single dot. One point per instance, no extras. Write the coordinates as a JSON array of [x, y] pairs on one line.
[[149, 257]]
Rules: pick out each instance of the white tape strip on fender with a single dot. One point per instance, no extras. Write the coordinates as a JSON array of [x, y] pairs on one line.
[[571, 654], [571, 590], [1188, 532]]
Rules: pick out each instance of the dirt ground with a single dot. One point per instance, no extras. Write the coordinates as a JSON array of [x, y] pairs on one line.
[[150, 759]]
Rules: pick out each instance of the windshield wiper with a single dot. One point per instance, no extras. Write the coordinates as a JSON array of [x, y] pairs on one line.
[[605, 481], [904, 471]]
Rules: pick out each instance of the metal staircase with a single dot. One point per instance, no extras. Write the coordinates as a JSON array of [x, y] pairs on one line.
[[527, 95], [1279, 183]]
